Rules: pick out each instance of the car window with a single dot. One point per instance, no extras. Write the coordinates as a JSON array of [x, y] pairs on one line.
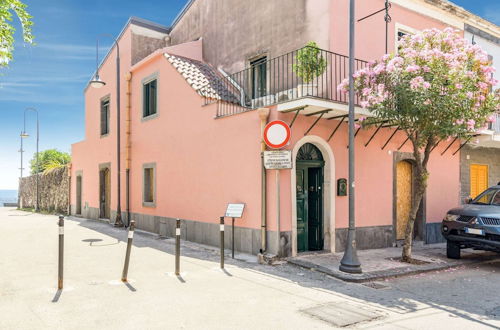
[[486, 197], [496, 199]]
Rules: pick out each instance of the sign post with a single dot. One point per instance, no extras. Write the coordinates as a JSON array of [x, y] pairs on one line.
[[234, 211]]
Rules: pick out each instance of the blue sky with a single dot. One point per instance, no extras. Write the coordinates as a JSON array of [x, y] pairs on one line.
[[51, 76]]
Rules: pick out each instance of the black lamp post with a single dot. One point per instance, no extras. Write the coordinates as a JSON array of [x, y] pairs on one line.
[[96, 82], [25, 135], [350, 262]]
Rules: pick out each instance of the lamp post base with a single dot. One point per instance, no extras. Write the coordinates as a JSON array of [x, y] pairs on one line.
[[350, 262], [118, 221]]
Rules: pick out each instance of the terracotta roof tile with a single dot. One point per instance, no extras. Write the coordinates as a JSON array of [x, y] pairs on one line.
[[204, 79]]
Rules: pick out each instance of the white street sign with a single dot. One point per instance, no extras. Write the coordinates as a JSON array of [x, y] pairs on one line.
[[278, 159]]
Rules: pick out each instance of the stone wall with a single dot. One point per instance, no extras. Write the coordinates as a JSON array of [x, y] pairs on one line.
[[53, 191]]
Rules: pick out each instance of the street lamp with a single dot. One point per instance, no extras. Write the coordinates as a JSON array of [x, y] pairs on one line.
[[23, 136], [96, 82], [350, 262]]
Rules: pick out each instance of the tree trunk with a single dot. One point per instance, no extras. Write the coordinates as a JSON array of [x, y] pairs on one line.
[[421, 176], [420, 186]]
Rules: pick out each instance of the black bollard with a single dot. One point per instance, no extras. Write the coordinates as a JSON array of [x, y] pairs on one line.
[[61, 253], [222, 242], [177, 246], [129, 248]]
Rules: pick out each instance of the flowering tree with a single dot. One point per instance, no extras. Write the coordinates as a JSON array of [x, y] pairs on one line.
[[436, 86], [7, 8]]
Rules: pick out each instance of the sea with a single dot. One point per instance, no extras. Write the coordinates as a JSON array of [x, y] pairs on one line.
[[8, 196]]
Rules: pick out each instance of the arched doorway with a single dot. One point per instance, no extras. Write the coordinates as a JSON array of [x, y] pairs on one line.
[[309, 198]]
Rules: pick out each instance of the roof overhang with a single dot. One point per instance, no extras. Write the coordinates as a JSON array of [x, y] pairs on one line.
[[487, 138], [310, 106]]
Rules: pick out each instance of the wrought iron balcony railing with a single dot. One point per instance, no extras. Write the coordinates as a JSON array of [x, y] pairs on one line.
[[306, 72]]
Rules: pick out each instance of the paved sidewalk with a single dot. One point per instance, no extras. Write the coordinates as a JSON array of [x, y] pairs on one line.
[[384, 263], [247, 295]]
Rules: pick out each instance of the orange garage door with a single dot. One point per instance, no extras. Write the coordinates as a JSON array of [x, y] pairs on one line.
[[478, 179]]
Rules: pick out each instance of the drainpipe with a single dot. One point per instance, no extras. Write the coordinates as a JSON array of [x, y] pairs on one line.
[[263, 115], [128, 78]]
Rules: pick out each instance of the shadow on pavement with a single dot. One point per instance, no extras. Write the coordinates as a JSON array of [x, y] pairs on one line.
[[404, 295], [57, 296]]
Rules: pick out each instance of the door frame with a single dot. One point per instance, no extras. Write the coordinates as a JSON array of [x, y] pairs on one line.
[[328, 191], [79, 175], [103, 167], [422, 211]]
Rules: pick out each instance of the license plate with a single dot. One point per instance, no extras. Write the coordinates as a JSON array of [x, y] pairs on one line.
[[474, 231]]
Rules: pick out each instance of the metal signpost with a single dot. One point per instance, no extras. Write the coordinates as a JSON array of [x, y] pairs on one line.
[[277, 134], [234, 211]]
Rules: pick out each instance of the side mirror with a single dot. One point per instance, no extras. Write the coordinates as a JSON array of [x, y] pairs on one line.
[[468, 200]]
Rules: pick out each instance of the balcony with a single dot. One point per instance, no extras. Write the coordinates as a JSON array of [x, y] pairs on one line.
[[305, 79], [491, 136]]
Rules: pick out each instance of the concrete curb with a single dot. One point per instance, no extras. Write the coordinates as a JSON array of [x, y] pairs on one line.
[[389, 273]]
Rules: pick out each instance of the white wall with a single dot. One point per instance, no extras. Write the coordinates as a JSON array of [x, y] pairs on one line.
[[489, 47]]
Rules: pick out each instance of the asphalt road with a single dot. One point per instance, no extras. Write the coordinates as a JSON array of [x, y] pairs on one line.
[[245, 296]]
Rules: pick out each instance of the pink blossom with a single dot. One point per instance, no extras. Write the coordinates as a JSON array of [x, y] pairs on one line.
[[356, 125], [482, 85], [364, 104], [471, 124], [492, 118], [470, 95], [459, 121], [426, 84], [427, 102], [361, 119], [416, 82], [459, 86], [412, 68]]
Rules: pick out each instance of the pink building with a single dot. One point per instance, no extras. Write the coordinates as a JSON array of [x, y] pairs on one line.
[[195, 97]]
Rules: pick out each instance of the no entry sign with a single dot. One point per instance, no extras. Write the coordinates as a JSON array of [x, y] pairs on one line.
[[277, 134]]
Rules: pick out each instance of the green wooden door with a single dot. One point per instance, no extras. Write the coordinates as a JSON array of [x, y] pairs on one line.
[[302, 234], [309, 186], [314, 208]]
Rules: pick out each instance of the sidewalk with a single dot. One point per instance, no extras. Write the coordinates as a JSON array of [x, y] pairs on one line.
[[380, 264]]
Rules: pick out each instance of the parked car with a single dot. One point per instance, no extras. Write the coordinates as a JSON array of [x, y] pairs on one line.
[[474, 225]]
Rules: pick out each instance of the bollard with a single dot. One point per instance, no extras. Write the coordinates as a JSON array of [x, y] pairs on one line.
[[222, 242], [177, 246], [61, 253], [129, 248]]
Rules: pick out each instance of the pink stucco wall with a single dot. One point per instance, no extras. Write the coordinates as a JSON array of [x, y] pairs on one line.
[[370, 33], [204, 163], [199, 160], [374, 175]]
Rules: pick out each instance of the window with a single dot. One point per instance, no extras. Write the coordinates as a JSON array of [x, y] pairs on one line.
[[149, 186], [149, 98], [105, 116], [258, 76]]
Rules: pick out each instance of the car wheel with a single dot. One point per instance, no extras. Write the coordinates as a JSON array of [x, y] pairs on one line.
[[452, 250]]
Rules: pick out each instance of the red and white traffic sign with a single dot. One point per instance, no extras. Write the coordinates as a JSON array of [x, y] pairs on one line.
[[277, 134]]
